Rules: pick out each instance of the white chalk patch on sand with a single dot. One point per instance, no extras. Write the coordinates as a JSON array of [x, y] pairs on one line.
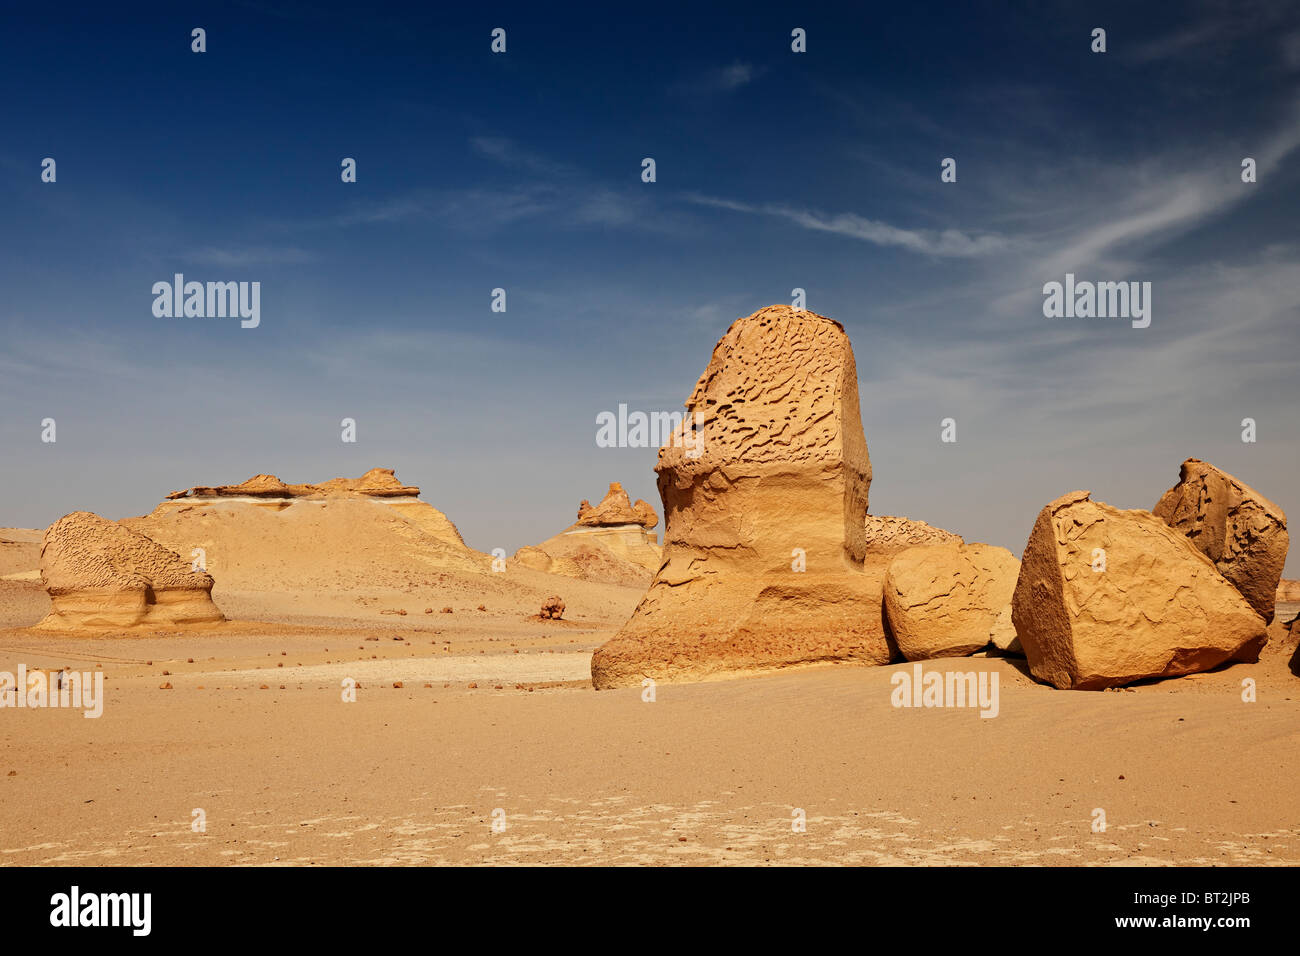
[[518, 668]]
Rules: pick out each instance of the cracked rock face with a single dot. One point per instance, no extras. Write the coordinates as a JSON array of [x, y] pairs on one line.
[[764, 490], [1157, 607], [1233, 525], [943, 600], [102, 575]]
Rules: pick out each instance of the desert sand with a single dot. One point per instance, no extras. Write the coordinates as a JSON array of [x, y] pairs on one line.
[[709, 773]]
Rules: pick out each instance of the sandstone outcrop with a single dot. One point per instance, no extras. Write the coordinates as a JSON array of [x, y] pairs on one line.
[[1106, 597], [889, 533], [611, 543], [263, 535], [553, 609], [1288, 592], [376, 483], [1236, 527], [616, 509], [102, 575], [764, 488], [942, 600]]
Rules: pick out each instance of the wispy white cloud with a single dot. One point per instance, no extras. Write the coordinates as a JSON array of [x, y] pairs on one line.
[[931, 242], [248, 255], [720, 81]]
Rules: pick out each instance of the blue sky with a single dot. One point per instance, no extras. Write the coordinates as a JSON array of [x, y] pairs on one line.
[[521, 170]]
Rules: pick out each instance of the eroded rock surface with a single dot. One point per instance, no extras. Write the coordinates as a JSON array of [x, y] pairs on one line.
[[1106, 597], [1236, 527], [102, 575], [764, 490], [941, 600]]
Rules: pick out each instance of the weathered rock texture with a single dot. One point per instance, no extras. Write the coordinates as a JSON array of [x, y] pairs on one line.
[[889, 533], [1236, 527], [768, 473], [102, 575], [616, 509], [1288, 592], [1159, 609], [941, 600]]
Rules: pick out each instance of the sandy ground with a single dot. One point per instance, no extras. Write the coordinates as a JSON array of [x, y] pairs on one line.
[[255, 733]]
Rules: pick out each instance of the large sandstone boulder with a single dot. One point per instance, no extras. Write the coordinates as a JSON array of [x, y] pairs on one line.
[[102, 575], [1158, 609], [943, 600], [1236, 527], [764, 490]]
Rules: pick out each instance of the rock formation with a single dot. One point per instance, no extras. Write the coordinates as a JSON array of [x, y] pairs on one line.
[[1288, 592], [888, 533], [1106, 597], [616, 509], [942, 600], [102, 575], [553, 609], [1236, 527], [263, 535], [764, 489], [376, 483], [611, 543]]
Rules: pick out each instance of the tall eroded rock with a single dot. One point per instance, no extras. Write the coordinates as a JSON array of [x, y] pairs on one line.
[[764, 490], [1106, 597], [102, 575], [1233, 525]]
